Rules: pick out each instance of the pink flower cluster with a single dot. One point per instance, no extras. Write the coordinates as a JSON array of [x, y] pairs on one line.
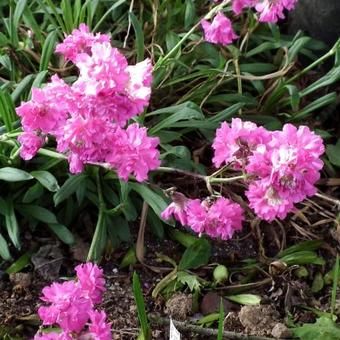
[[72, 307], [220, 30], [88, 119], [282, 166], [218, 219]]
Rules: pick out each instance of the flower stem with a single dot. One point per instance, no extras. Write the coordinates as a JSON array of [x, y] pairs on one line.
[[179, 171], [331, 52], [97, 240], [225, 180]]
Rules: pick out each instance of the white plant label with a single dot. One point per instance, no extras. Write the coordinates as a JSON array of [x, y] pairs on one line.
[[174, 333]]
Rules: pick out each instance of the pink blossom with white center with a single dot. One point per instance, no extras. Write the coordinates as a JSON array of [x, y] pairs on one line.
[[267, 202], [103, 72], [235, 143], [134, 153], [219, 31], [139, 84], [69, 308], [80, 41], [91, 281], [99, 329], [177, 208], [30, 144]]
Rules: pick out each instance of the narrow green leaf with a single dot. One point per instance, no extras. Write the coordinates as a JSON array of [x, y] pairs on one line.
[[14, 175], [12, 224], [63, 233], [47, 51], [141, 311], [20, 263], [39, 213], [68, 188], [139, 36], [4, 251], [46, 179], [221, 321]]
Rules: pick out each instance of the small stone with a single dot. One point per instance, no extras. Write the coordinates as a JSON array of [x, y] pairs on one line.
[[23, 280], [211, 304], [179, 306], [281, 331], [259, 320]]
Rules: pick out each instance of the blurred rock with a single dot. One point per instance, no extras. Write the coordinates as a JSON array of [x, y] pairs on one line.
[[318, 19], [259, 320], [179, 306], [281, 331], [211, 304]]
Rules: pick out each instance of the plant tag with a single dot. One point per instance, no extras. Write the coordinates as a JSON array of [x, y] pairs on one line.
[[174, 333]]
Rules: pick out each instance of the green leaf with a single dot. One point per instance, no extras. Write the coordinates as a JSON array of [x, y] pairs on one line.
[[129, 258], [62, 232], [208, 319], [47, 50], [323, 329], [196, 255], [39, 213], [14, 175], [46, 179], [190, 280], [333, 153], [317, 283], [303, 257], [220, 321], [33, 193], [156, 201], [20, 263], [12, 224], [303, 246], [4, 251], [141, 311], [186, 114], [68, 188], [139, 36], [315, 105], [245, 299]]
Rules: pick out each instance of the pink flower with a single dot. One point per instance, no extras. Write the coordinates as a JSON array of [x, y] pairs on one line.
[[98, 328], [69, 308], [80, 41], [218, 220], [272, 10], [104, 72], [177, 208], [267, 202], [139, 85], [91, 281], [235, 143], [30, 144], [220, 31], [239, 5], [134, 153], [226, 217], [47, 111], [85, 139], [197, 215]]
